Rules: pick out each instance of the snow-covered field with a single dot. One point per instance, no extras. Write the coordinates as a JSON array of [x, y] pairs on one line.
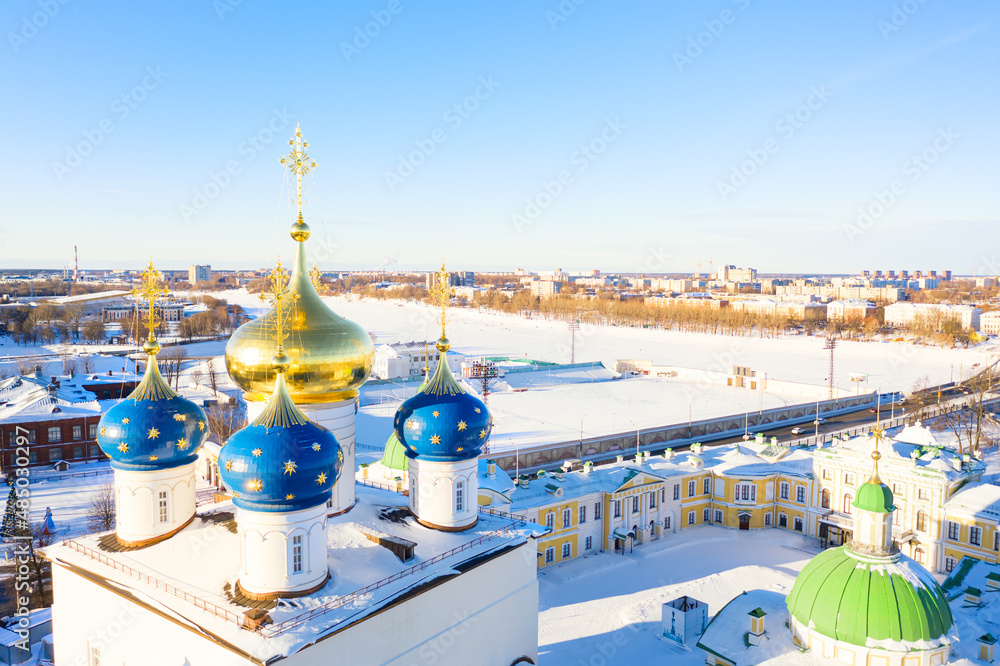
[[610, 605]]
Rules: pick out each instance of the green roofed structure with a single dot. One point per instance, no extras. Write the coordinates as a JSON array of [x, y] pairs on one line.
[[864, 602], [394, 456]]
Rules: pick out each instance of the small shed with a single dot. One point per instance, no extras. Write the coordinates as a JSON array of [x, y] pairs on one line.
[[684, 619]]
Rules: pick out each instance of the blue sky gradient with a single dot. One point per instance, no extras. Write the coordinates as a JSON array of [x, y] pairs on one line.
[[120, 120]]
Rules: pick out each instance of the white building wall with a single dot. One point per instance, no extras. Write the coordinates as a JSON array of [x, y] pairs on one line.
[[487, 615], [137, 501], [266, 550], [433, 492]]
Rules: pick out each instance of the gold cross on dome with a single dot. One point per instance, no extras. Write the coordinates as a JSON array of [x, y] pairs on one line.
[[442, 292], [315, 274], [277, 295], [298, 162], [150, 290]]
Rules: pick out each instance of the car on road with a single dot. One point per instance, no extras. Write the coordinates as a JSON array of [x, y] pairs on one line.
[[873, 410], [798, 431], [819, 421]]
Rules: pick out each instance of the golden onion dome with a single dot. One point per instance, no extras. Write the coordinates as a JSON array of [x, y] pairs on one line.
[[330, 357]]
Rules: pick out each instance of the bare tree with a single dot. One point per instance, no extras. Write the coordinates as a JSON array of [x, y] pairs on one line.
[[225, 419], [87, 361], [68, 364], [197, 376], [101, 511], [967, 417], [213, 380], [25, 367]]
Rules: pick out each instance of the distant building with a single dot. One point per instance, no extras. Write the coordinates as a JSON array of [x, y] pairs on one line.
[[908, 314], [404, 360], [989, 323], [734, 274], [986, 282], [57, 417], [545, 288], [852, 308], [458, 279], [199, 274], [169, 312]]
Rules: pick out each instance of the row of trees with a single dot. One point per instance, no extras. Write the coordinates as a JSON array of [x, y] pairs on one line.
[[48, 323]]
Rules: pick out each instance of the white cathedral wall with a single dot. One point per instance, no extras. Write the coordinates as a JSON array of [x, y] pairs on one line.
[[137, 510], [433, 492], [339, 418], [847, 653], [266, 542], [453, 623]]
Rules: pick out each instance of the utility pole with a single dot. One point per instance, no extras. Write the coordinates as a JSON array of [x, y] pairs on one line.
[[573, 326], [831, 344]]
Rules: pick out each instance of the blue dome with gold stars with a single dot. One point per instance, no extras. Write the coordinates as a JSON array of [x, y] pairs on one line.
[[154, 428], [442, 422], [282, 461]]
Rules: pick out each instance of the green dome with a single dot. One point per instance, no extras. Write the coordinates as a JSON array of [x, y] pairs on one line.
[[874, 497], [395, 455], [893, 604]]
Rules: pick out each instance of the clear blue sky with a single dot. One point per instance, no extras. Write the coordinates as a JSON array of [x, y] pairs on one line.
[[677, 119]]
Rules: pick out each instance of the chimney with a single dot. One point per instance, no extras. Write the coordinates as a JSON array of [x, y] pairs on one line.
[[523, 480], [696, 448], [540, 474], [756, 626], [255, 618], [993, 580], [567, 466], [774, 441], [364, 470], [620, 458], [986, 645], [973, 596], [491, 469], [588, 467]]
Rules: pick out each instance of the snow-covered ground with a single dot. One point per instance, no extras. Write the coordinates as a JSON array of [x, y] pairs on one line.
[[893, 366]]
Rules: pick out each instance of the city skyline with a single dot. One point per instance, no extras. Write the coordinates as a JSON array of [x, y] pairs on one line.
[[643, 139]]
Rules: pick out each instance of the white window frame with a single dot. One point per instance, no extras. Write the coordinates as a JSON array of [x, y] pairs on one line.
[[298, 556], [783, 490], [550, 519], [692, 487], [550, 555], [567, 518], [567, 550], [718, 515], [767, 519], [583, 516], [163, 506], [800, 494], [691, 518], [705, 515], [460, 496], [588, 543]]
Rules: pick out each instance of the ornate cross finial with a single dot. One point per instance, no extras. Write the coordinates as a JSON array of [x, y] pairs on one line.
[[151, 290], [878, 434], [278, 296], [315, 274], [298, 162], [442, 293]]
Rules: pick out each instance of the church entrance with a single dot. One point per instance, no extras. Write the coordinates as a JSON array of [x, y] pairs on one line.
[[744, 521]]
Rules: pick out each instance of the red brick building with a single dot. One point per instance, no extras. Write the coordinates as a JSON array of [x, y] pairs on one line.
[[57, 416]]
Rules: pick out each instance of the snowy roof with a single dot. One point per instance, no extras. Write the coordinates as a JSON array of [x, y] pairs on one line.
[[725, 635], [934, 458], [976, 501], [499, 483], [202, 560], [28, 398]]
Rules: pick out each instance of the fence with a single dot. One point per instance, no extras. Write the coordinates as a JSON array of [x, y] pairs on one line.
[[515, 523]]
